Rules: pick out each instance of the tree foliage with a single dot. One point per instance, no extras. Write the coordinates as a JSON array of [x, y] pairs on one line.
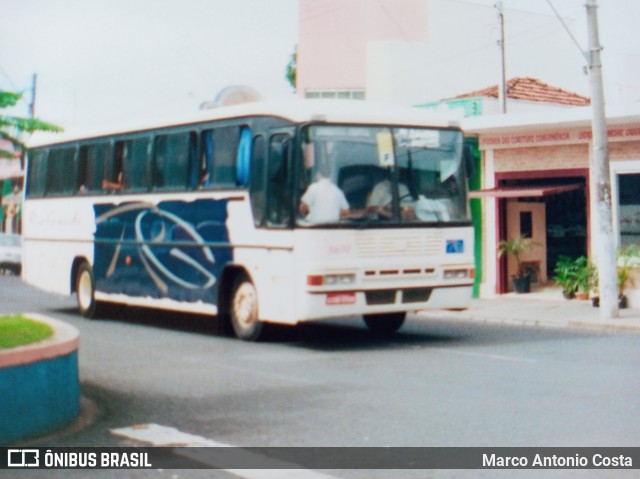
[[292, 69], [516, 247], [13, 127]]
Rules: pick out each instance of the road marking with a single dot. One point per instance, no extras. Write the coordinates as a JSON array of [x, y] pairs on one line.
[[494, 357], [164, 436]]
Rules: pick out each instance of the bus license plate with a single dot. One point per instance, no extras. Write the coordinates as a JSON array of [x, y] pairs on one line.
[[341, 298]]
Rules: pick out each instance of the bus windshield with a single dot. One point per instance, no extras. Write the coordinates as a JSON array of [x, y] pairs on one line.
[[381, 175]]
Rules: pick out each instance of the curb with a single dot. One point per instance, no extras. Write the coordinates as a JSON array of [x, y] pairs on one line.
[[88, 415], [547, 315], [39, 384]]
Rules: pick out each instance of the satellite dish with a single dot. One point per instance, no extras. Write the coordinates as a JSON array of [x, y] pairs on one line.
[[233, 95]]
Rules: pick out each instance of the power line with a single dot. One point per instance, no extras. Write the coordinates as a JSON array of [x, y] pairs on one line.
[[568, 31], [8, 78], [510, 9]]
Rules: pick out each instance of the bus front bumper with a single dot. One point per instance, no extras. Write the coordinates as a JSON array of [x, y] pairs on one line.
[[332, 304]]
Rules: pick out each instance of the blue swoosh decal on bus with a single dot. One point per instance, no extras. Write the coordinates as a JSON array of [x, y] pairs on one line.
[[175, 249]]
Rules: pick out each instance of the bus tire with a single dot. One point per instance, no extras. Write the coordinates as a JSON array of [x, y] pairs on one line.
[[243, 310], [86, 291], [384, 324]]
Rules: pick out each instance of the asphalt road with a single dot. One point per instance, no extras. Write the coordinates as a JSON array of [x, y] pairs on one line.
[[333, 384]]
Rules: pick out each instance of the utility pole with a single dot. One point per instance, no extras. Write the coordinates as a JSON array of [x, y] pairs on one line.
[[32, 105], [502, 91], [599, 177]]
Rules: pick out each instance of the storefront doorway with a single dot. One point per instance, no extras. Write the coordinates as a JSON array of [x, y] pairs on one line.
[[553, 211]]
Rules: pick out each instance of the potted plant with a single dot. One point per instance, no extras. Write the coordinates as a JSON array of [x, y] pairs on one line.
[[566, 276], [623, 271], [516, 247], [626, 260], [586, 277]]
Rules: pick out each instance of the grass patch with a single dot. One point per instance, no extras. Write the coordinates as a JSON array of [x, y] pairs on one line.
[[16, 330]]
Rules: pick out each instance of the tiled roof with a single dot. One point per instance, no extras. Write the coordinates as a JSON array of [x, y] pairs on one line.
[[531, 89]]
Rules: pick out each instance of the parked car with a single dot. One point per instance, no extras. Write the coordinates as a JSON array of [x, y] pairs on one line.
[[10, 253]]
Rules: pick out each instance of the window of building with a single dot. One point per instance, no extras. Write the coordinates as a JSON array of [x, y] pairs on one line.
[[337, 94], [629, 209]]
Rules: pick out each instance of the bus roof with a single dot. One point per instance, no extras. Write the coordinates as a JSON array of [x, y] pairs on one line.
[[297, 111]]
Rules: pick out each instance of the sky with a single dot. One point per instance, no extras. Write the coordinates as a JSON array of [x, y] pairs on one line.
[[99, 61], [108, 61]]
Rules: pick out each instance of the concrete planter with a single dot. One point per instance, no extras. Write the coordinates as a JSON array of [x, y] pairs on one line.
[[39, 385]]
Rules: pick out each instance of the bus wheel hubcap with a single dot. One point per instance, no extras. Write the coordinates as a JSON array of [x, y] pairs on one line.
[[85, 290], [245, 305]]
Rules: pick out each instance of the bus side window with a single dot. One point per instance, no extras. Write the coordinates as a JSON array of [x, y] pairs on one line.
[[114, 169], [173, 156], [131, 168], [256, 180], [223, 161], [243, 160], [137, 166], [224, 153], [278, 184], [91, 168], [201, 175], [36, 173], [62, 171]]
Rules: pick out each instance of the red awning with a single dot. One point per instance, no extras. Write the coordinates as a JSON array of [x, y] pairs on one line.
[[523, 191]]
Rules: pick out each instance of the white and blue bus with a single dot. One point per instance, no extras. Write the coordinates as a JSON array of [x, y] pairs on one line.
[[206, 215]]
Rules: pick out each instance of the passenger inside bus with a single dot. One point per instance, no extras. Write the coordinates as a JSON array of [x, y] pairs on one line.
[[116, 180], [380, 200], [113, 185]]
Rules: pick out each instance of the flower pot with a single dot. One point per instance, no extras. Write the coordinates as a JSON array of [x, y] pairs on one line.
[[521, 284], [622, 301]]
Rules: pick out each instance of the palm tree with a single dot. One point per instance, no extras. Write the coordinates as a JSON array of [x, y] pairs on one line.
[[12, 127], [516, 247]]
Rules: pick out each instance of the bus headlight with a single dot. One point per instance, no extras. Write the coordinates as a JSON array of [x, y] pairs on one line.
[[459, 273]]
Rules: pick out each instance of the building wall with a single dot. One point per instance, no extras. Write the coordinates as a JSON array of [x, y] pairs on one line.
[[536, 152], [334, 37], [624, 151], [542, 158], [559, 157], [414, 51]]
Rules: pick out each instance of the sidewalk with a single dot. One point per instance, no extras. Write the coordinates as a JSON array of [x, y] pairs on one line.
[[545, 308]]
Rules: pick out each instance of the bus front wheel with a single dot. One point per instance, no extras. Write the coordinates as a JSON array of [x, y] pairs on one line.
[[384, 324], [244, 310], [85, 291]]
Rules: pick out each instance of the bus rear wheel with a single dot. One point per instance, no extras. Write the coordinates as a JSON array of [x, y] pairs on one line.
[[244, 310], [86, 291], [384, 324]]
